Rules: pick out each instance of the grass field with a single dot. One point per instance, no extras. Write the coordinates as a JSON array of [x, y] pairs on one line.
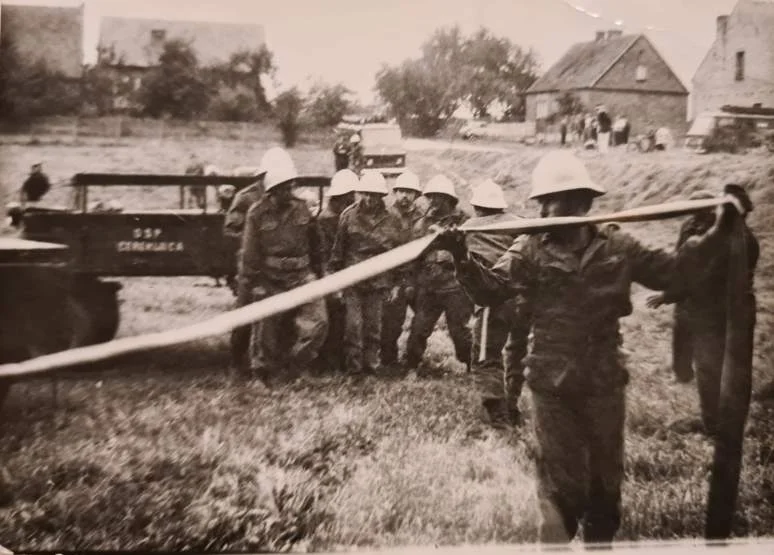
[[160, 451]]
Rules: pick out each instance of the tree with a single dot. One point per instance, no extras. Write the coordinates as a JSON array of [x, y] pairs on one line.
[[327, 104], [98, 86], [31, 90], [423, 93], [175, 87], [287, 110], [239, 85]]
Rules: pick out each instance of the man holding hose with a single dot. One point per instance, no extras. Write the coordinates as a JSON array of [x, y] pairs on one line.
[[577, 281]]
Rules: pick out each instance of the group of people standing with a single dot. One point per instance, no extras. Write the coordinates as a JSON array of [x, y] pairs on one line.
[[595, 130], [282, 246]]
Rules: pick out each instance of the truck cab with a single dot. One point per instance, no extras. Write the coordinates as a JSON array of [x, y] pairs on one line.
[[382, 146]]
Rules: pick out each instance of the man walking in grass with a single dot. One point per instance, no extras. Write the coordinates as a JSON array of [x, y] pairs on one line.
[[577, 281]]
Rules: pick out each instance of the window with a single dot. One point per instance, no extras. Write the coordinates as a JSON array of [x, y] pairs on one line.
[[642, 73], [158, 34], [740, 66]]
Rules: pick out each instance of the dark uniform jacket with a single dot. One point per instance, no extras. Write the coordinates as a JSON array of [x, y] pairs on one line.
[[362, 235], [235, 217], [577, 302], [328, 222], [277, 248], [434, 270], [35, 186], [705, 303], [403, 275]]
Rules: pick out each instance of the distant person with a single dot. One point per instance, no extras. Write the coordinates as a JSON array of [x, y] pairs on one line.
[[341, 153], [563, 131], [604, 126], [356, 160], [35, 186], [197, 194]]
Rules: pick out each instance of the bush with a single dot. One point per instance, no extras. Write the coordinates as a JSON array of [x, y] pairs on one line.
[[234, 104], [287, 111]]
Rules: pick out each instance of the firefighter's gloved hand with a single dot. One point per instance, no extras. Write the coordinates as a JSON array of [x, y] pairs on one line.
[[655, 301], [740, 204], [453, 240]]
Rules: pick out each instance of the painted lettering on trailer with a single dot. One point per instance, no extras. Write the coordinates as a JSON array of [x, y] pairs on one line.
[[150, 246]]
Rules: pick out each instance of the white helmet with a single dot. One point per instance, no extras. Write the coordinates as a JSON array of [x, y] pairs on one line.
[[408, 180], [488, 195], [343, 182], [442, 185], [211, 169], [372, 182], [560, 171], [354, 139], [279, 168]]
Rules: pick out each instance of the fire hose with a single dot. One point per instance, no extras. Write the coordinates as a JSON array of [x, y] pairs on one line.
[[737, 364]]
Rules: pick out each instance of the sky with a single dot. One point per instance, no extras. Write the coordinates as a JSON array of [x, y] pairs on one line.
[[347, 41]]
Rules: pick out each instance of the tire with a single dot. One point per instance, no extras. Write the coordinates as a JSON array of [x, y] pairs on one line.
[[100, 300]]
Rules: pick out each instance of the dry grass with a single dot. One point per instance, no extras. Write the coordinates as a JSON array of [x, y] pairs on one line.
[[162, 452]]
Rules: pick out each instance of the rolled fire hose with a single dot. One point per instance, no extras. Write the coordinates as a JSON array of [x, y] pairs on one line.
[[737, 364]]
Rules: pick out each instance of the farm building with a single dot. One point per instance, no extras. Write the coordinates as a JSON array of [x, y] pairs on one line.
[[738, 69], [624, 72], [51, 34], [132, 46]]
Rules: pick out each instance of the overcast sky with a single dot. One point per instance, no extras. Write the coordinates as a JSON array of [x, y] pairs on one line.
[[347, 40]]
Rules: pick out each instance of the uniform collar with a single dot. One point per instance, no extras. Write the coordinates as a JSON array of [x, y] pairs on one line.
[[567, 259]]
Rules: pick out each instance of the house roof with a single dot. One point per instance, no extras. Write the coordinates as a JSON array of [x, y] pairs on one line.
[[585, 64], [53, 34], [212, 42]]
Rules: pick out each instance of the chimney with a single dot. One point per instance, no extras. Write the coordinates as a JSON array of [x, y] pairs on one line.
[[600, 36], [722, 26], [614, 33]]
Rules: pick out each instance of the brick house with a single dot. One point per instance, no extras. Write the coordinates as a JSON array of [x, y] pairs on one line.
[[51, 34], [624, 72], [130, 47], [739, 67]]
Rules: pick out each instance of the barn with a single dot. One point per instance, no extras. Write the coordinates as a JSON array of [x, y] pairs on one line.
[[624, 72]]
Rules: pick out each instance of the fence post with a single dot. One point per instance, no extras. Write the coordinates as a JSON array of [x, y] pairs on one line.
[[119, 126]]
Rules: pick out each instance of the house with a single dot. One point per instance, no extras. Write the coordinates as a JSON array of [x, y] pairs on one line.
[[132, 46], [53, 35], [738, 69], [623, 72]]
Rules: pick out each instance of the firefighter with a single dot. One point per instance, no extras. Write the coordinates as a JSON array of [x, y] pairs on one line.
[[437, 292], [35, 186], [366, 229], [356, 161], [233, 226], [493, 327], [699, 335], [277, 256], [577, 281], [340, 195], [405, 193]]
